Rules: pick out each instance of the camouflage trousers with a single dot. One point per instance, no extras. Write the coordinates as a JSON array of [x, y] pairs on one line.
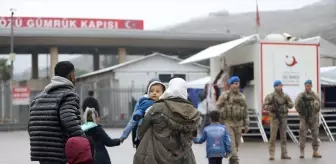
[[311, 124], [235, 135], [275, 127]]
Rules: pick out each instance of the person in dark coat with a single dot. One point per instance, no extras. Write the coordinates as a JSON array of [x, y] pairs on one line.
[[54, 117], [78, 151], [97, 134], [91, 102]]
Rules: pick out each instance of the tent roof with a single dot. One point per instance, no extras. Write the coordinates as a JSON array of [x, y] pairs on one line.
[[220, 49], [199, 83], [328, 75]]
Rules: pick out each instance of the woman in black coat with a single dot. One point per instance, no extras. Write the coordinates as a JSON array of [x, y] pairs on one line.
[[98, 135]]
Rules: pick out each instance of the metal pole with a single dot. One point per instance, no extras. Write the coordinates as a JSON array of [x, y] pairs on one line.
[[12, 56], [12, 40], [47, 61], [3, 103], [257, 17]]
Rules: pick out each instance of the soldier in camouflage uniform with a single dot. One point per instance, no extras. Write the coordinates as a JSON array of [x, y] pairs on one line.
[[278, 103], [233, 109], [307, 104]]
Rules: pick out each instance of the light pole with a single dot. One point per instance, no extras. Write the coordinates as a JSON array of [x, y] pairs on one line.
[[12, 58], [12, 54]]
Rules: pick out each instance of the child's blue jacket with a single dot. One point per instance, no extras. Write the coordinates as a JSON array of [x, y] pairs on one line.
[[218, 142], [139, 109]]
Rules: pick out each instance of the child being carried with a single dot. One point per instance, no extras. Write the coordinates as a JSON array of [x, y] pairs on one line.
[[155, 90]]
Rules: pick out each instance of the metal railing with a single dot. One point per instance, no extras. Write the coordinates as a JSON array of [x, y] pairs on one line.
[[255, 127], [291, 135], [327, 118], [328, 122], [116, 104]]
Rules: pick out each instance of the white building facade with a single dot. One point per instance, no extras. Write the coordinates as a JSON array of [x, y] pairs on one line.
[[118, 86], [160, 66]]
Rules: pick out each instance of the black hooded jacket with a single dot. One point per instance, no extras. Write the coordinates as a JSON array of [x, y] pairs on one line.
[[98, 135]]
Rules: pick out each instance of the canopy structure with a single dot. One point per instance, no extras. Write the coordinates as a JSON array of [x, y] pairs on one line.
[[328, 70], [327, 82], [218, 50], [199, 83], [328, 75], [327, 49]]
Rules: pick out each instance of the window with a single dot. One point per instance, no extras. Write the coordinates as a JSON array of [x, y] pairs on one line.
[[182, 76], [165, 78]]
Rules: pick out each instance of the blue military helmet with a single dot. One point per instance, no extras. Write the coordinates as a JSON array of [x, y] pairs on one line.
[[276, 83], [308, 82], [233, 79]]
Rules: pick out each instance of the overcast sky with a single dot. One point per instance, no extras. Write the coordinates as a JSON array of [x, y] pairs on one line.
[[155, 13]]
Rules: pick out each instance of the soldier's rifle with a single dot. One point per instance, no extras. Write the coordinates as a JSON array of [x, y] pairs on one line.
[[275, 107], [305, 107]]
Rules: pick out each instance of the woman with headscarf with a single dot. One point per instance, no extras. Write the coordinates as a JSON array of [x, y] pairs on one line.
[[168, 128]]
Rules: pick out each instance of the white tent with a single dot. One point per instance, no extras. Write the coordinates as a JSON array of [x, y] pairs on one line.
[[216, 50], [328, 70], [199, 83], [328, 75], [327, 82]]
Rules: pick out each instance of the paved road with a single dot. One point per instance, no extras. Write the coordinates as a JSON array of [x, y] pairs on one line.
[[14, 149]]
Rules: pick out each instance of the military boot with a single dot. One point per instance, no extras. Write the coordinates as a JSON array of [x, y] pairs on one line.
[[285, 156], [233, 160], [301, 153], [316, 154], [271, 158]]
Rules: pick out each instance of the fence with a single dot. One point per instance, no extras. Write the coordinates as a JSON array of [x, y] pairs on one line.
[[12, 114], [116, 104]]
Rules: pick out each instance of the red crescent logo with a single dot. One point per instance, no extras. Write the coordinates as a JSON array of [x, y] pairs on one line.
[[292, 63]]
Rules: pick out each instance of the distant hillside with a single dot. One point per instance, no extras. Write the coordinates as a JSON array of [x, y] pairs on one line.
[[311, 20]]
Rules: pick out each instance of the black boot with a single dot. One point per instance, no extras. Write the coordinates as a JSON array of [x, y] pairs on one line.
[[234, 160]]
